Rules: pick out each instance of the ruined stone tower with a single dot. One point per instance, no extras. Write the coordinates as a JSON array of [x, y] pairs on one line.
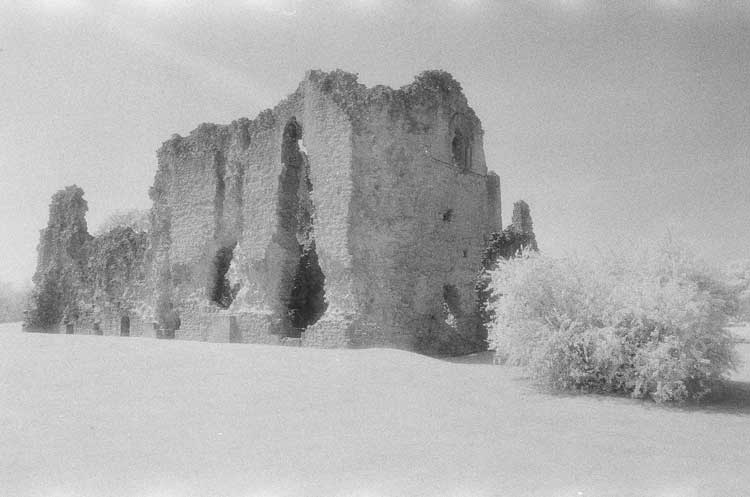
[[344, 217]]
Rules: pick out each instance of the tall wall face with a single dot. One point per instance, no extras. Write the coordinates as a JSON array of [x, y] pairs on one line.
[[422, 212], [259, 208], [189, 194]]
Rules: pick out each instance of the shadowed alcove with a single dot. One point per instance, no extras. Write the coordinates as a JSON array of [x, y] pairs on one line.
[[220, 290], [304, 295], [124, 326]]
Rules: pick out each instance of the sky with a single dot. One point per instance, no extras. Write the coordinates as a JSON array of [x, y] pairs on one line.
[[618, 122]]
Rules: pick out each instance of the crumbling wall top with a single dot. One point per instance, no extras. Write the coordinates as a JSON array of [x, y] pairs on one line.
[[430, 88]]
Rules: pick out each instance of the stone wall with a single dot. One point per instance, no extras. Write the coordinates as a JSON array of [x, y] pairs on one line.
[[344, 216], [419, 220]]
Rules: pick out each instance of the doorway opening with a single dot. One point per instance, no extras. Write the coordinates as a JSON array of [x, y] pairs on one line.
[[124, 326]]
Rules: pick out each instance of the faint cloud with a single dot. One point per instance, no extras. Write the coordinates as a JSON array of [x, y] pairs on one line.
[[365, 3], [676, 4], [572, 4], [207, 70], [156, 6], [281, 7], [470, 7], [467, 3], [56, 7], [563, 5]]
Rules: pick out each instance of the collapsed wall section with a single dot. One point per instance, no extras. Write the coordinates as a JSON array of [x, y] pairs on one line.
[[114, 283], [61, 264], [85, 284]]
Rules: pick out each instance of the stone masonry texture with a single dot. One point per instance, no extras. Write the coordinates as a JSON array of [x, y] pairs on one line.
[[345, 216]]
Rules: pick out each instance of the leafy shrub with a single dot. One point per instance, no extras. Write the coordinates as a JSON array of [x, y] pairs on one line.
[[512, 241], [12, 301], [650, 325]]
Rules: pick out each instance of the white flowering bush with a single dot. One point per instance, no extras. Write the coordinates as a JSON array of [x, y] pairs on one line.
[[651, 325]]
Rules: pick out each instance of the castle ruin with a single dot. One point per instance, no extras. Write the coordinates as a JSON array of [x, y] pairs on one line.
[[344, 217]]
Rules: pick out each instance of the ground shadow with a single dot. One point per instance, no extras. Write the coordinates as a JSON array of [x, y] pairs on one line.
[[733, 397], [730, 397], [484, 357]]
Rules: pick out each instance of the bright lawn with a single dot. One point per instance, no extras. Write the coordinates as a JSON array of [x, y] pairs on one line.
[[107, 416]]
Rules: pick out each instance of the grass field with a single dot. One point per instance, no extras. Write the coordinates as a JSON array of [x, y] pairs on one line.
[[109, 416]]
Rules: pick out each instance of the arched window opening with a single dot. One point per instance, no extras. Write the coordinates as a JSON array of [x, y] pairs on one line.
[[452, 299], [289, 180], [458, 149], [461, 142], [303, 284], [461, 150], [451, 306]]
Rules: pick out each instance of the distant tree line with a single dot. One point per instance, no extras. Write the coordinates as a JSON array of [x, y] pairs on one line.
[[12, 302]]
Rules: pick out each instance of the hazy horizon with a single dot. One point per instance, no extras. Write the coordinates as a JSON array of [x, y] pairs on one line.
[[617, 122]]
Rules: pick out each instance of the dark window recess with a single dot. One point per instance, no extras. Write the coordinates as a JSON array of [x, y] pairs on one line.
[[466, 252], [452, 299], [448, 215], [169, 321], [124, 326], [220, 291], [457, 148], [307, 301], [461, 151]]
